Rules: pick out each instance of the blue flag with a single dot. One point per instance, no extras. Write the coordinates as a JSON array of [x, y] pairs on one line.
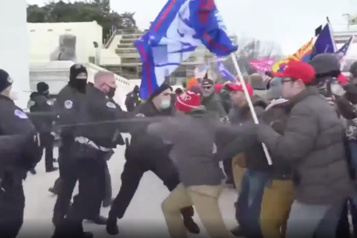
[[224, 72], [324, 43], [178, 30], [344, 49]]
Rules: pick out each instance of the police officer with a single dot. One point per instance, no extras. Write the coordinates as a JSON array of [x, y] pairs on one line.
[[101, 108], [41, 102], [92, 144], [146, 153], [70, 106], [19, 152], [132, 99]]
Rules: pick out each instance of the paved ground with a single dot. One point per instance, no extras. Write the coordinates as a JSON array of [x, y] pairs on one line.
[[143, 213]]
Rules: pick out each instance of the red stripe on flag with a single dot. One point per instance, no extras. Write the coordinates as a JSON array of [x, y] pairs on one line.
[[164, 14], [214, 43], [142, 51]]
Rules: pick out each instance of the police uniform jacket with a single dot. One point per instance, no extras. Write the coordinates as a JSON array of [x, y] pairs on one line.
[[19, 147]]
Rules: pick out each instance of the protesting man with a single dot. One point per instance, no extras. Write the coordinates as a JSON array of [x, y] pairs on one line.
[[313, 143]]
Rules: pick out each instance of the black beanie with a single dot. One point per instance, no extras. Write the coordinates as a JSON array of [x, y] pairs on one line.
[[326, 65], [75, 70], [5, 80], [42, 87], [159, 90]]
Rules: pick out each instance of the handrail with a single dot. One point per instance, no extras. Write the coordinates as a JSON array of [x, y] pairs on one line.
[[110, 39]]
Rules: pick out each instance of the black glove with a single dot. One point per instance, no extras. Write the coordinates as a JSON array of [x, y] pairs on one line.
[[32, 151], [346, 108]]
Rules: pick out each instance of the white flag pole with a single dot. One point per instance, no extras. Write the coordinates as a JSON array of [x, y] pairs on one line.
[[250, 104]]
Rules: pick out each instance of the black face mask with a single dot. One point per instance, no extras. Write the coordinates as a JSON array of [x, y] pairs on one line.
[[79, 84], [111, 92]]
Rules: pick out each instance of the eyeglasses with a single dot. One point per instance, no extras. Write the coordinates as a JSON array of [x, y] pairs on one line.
[[286, 80]]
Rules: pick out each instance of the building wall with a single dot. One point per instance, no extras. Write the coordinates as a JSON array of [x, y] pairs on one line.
[[44, 39], [14, 47]]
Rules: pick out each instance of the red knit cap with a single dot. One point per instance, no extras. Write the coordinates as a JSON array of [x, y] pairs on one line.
[[188, 101]]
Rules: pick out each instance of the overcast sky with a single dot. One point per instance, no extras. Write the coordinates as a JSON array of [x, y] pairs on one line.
[[290, 23]]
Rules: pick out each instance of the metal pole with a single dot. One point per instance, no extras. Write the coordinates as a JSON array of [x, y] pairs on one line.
[[348, 20]]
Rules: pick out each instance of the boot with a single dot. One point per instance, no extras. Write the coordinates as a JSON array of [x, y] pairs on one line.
[[99, 220], [112, 227], [191, 226], [53, 169], [56, 187], [238, 232]]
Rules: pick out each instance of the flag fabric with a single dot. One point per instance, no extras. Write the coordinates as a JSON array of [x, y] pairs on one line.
[[304, 53], [224, 72], [279, 65], [324, 43], [342, 52], [201, 71], [318, 30], [262, 65], [180, 27]]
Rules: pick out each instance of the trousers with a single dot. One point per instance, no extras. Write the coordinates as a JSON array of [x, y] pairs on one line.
[[205, 199], [47, 142], [90, 174], [12, 205], [134, 169]]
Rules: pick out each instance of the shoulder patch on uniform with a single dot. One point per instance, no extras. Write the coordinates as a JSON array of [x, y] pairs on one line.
[[68, 104], [20, 114], [111, 105]]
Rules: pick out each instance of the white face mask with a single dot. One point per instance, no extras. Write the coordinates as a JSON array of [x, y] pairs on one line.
[[165, 104]]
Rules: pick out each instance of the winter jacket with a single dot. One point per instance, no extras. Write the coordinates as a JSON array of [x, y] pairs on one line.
[[214, 104], [39, 103], [276, 115], [254, 157], [313, 142], [246, 140], [141, 141], [132, 101], [226, 101], [192, 139]]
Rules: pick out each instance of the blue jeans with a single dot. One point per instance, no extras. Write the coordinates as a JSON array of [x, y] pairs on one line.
[[353, 150], [310, 221], [249, 202]]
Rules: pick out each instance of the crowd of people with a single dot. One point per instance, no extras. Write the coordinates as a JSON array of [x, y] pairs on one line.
[[307, 120]]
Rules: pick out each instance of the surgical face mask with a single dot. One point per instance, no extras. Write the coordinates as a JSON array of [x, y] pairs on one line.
[[111, 92], [165, 104]]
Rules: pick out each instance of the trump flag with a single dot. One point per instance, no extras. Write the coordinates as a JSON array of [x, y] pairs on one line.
[[180, 27]]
